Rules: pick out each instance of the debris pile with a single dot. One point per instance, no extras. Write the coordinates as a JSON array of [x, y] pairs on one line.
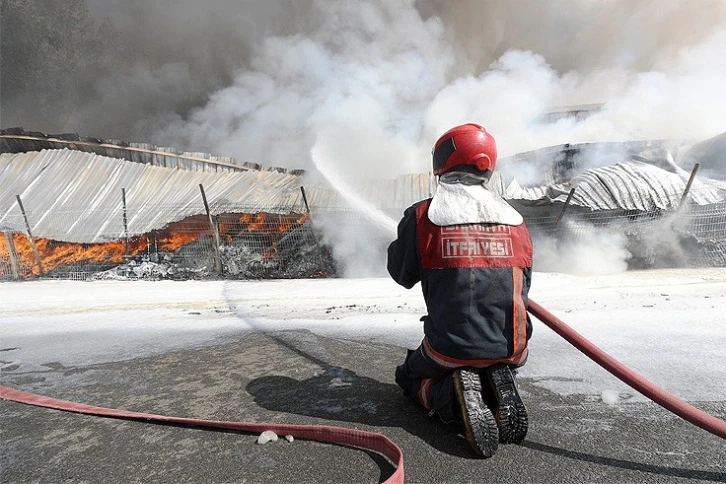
[[251, 246]]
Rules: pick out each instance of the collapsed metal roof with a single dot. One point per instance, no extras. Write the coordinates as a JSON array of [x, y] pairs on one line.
[[17, 140], [630, 185], [636, 176], [75, 196]]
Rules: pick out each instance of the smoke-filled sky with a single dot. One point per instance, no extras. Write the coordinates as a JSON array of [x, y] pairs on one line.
[[381, 79]]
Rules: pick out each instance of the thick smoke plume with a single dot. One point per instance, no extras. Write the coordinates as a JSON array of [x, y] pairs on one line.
[[257, 80], [260, 80]]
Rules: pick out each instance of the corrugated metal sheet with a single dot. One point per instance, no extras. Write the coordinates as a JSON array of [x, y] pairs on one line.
[[73, 196], [625, 186], [16, 140]]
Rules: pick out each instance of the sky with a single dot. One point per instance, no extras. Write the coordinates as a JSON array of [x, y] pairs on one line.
[[664, 324]]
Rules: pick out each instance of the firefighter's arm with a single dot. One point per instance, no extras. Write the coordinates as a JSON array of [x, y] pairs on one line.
[[403, 260]]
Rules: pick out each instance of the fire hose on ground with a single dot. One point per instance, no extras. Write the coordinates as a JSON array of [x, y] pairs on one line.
[[320, 433], [378, 442], [666, 400]]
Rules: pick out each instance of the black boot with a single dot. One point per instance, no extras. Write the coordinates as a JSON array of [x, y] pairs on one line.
[[505, 402], [480, 426]]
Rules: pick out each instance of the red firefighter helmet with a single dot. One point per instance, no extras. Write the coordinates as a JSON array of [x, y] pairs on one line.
[[468, 144]]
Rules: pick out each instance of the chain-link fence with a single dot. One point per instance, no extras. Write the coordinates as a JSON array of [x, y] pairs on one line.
[[243, 245], [694, 236], [237, 245]]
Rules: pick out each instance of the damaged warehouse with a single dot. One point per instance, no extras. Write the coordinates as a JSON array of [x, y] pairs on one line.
[[90, 215], [668, 216], [81, 208]]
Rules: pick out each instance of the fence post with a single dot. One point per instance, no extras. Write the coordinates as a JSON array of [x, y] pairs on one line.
[[217, 255], [564, 208], [13, 255], [688, 185], [30, 236], [126, 227], [305, 198], [309, 217]]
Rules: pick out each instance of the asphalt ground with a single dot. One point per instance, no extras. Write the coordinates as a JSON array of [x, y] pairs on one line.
[[300, 377]]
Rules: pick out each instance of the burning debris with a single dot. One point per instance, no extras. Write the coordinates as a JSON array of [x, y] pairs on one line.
[[252, 246]]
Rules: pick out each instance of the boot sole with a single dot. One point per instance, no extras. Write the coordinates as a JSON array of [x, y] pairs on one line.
[[480, 426], [510, 412]]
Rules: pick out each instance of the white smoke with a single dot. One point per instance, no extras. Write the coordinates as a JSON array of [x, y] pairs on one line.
[[594, 251], [509, 98], [395, 80], [387, 81], [369, 70], [357, 241]]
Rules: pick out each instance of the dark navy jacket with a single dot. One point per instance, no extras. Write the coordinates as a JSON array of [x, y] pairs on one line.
[[475, 280]]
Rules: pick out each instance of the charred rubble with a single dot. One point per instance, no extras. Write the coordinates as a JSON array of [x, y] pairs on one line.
[[252, 246], [296, 253]]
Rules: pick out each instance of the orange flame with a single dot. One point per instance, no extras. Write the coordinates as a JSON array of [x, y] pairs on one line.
[[54, 254]]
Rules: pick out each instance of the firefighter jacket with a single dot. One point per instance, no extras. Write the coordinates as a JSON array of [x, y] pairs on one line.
[[475, 280]]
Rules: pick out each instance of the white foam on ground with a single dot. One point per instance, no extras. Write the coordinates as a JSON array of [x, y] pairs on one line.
[[666, 325]]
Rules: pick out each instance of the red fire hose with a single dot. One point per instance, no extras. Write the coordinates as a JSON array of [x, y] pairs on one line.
[[321, 433], [658, 395]]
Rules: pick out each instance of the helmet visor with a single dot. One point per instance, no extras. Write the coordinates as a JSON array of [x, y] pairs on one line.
[[443, 152]]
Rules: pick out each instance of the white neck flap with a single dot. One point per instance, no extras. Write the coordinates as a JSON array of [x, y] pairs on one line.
[[456, 204]]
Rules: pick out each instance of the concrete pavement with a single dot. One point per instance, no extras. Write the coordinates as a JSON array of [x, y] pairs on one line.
[[299, 377]]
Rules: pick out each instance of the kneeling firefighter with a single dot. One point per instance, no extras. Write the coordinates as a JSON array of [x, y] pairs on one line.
[[472, 253]]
